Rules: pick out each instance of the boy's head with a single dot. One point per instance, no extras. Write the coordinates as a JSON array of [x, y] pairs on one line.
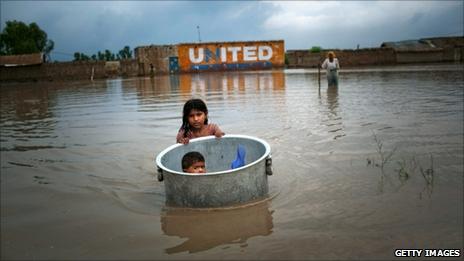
[[193, 162]]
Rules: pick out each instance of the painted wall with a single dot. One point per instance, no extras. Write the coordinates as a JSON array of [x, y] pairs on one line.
[[220, 56]]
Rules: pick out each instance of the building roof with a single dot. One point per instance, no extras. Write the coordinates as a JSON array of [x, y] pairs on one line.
[[21, 60], [447, 42], [410, 45], [231, 42]]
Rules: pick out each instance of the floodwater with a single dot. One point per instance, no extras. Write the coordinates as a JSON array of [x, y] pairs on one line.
[[359, 171]]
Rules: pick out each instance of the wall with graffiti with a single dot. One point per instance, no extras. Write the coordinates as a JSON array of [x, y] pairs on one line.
[[214, 56], [219, 56]]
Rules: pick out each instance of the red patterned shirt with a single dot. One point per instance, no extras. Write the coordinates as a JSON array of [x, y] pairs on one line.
[[207, 130]]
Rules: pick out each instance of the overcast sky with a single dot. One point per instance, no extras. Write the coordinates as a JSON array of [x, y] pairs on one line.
[[90, 26]]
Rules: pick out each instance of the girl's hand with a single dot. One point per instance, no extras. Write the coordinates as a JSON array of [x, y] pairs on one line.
[[219, 134], [184, 140]]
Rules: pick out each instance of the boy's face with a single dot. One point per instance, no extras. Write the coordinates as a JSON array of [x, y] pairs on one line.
[[196, 118], [197, 167]]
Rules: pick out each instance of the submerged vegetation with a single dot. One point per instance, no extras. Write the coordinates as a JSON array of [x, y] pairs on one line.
[[407, 168], [384, 156]]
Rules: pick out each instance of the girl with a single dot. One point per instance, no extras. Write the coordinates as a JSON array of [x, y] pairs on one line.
[[195, 122]]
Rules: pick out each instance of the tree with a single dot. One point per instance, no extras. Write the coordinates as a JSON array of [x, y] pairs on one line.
[[77, 56], [101, 56], [315, 49], [108, 55], [81, 57], [20, 38], [125, 53]]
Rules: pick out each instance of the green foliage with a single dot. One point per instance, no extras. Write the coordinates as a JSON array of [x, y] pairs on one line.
[[101, 56], [286, 59], [81, 57], [315, 49], [125, 53], [77, 56], [20, 38], [107, 55]]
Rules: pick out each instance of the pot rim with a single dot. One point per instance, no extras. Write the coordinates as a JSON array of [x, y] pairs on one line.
[[162, 153]]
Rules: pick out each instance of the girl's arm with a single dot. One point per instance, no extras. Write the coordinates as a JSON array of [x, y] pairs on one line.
[[217, 131], [180, 137], [338, 65]]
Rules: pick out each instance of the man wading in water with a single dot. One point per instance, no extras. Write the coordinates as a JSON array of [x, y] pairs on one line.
[[332, 67]]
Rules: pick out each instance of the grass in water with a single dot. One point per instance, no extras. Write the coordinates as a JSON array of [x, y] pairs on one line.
[[406, 170], [384, 156], [428, 175]]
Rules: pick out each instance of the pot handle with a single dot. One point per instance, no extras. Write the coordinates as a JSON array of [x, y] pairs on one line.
[[269, 165], [160, 174]]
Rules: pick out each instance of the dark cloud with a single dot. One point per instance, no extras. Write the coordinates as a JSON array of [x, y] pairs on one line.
[[88, 26]]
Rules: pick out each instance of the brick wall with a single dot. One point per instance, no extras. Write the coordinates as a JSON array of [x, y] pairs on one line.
[[22, 59], [419, 56], [68, 71], [375, 56], [157, 55], [348, 58], [225, 56]]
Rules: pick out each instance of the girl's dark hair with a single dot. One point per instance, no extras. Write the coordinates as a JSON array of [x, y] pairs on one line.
[[192, 104]]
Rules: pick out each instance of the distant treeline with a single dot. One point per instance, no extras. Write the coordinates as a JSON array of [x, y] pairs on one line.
[[107, 55], [20, 38]]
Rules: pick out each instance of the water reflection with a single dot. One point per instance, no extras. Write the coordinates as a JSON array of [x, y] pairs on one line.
[[104, 136], [206, 84], [28, 103], [207, 229], [149, 87], [227, 82], [334, 120], [332, 100], [26, 115]]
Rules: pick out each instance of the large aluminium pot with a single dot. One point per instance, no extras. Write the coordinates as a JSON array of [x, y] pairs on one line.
[[221, 186]]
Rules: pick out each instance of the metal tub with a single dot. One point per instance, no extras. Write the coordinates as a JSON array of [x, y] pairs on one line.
[[220, 186]]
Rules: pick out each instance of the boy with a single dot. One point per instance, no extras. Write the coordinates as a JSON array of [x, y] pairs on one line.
[[193, 162]]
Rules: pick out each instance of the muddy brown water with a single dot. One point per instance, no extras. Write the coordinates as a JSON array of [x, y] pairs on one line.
[[359, 171]]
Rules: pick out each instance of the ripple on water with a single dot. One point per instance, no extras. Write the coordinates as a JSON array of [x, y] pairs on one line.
[[101, 138]]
